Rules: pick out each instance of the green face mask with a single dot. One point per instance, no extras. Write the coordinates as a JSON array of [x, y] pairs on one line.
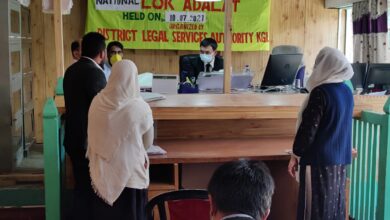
[[115, 58]]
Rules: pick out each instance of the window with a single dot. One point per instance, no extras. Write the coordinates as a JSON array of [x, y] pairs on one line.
[[349, 32], [349, 35]]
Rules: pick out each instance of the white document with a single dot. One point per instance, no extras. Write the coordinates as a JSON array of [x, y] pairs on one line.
[[155, 150], [381, 93], [150, 96]]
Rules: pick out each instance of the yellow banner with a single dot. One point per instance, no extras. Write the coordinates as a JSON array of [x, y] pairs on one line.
[[179, 24]]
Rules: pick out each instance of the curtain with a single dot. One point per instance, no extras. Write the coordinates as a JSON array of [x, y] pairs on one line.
[[370, 31]]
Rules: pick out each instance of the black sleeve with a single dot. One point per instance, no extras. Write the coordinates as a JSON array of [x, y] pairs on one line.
[[187, 69], [96, 81], [311, 118]]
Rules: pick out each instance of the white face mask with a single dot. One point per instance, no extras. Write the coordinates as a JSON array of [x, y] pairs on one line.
[[206, 58]]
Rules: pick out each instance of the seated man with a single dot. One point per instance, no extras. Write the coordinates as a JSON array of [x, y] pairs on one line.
[[207, 61], [114, 54], [241, 190]]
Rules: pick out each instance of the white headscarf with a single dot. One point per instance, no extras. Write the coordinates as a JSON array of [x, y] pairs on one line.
[[118, 118], [330, 66]]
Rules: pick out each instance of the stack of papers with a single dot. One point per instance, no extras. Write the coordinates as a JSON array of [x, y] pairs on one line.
[[377, 93], [150, 96], [155, 150]]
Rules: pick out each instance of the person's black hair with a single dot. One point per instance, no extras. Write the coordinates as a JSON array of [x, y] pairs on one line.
[[242, 187], [92, 44], [75, 45], [114, 43], [209, 42]]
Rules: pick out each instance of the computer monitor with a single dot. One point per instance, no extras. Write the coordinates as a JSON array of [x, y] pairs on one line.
[[378, 78], [359, 74], [281, 69]]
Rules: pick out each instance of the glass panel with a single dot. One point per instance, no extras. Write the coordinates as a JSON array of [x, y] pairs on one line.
[[29, 126], [15, 62], [26, 59], [25, 22], [15, 23], [16, 103], [17, 139], [27, 89]]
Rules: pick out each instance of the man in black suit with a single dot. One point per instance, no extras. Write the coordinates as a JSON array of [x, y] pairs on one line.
[[82, 81], [207, 61], [241, 190]]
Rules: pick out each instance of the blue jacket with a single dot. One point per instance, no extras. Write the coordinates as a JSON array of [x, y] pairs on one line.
[[325, 134]]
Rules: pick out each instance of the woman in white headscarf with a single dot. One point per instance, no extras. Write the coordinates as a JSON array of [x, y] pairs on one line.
[[120, 128], [322, 144]]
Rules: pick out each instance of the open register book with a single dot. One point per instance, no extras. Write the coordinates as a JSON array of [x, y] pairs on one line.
[[155, 150], [150, 96]]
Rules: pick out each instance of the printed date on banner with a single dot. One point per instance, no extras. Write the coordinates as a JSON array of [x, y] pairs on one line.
[[187, 17]]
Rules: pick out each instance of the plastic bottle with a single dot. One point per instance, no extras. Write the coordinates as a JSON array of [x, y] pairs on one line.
[[247, 70]]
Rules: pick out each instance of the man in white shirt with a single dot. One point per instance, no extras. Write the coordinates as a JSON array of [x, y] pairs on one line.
[[241, 190], [114, 54]]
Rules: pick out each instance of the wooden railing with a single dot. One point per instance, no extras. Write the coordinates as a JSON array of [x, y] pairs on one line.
[[54, 158], [370, 172]]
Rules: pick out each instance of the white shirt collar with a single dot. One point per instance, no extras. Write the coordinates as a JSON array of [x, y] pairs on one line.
[[107, 70], [94, 62], [237, 215]]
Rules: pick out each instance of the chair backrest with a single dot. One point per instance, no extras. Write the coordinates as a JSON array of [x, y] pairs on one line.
[[189, 58], [286, 49], [360, 74], [377, 74], [182, 204]]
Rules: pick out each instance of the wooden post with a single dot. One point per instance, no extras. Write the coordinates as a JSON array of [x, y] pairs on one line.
[[227, 55], [59, 38]]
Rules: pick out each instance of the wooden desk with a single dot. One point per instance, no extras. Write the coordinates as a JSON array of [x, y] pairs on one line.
[[227, 106], [199, 129], [236, 106]]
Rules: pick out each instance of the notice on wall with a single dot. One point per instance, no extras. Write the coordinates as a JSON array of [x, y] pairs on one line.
[[179, 24]]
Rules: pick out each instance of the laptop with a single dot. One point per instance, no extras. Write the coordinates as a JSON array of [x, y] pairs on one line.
[[214, 81], [165, 83]]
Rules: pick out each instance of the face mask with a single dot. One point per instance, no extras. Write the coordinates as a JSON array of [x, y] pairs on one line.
[[115, 58], [206, 58]]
